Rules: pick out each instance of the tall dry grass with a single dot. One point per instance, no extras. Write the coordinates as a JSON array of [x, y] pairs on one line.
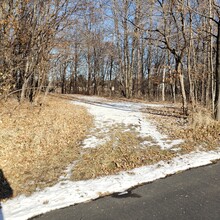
[[38, 142], [199, 130]]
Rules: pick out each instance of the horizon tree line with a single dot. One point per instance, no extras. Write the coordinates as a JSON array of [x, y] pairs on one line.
[[163, 50]]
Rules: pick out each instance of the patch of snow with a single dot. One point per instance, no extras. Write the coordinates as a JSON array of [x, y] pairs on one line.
[[92, 141], [67, 193], [176, 149], [147, 143], [106, 114], [68, 171]]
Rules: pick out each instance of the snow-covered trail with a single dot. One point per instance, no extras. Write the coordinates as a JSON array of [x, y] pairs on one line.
[[127, 114], [67, 193]]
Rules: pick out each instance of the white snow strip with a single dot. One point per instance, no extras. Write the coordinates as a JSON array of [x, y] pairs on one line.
[[67, 193]]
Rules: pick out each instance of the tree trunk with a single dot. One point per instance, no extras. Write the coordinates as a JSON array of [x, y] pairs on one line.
[[63, 81], [23, 90], [163, 84], [89, 72], [212, 81], [75, 69], [217, 90], [191, 84], [25, 83], [110, 76], [127, 67], [182, 85]]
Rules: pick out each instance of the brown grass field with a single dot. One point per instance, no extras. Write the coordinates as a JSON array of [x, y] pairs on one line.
[[37, 142]]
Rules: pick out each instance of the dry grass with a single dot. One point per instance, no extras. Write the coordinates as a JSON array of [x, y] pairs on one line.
[[122, 152], [38, 142], [199, 129], [202, 130]]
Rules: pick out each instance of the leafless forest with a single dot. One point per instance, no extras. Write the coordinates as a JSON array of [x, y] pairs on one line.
[[158, 50]]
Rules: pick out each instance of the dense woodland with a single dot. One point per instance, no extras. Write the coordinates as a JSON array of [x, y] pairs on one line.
[[159, 50]]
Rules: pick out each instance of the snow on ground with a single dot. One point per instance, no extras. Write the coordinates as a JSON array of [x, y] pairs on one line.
[[127, 114], [67, 193]]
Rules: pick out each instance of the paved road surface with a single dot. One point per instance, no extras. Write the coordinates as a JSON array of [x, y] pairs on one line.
[[193, 194]]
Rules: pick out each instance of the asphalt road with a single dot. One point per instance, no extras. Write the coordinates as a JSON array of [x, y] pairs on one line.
[[193, 194]]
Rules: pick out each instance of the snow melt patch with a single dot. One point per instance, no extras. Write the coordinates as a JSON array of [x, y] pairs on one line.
[[67, 193], [106, 114]]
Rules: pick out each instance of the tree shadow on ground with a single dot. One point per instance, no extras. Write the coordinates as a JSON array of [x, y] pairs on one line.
[[5, 191], [164, 110], [104, 104], [174, 112]]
